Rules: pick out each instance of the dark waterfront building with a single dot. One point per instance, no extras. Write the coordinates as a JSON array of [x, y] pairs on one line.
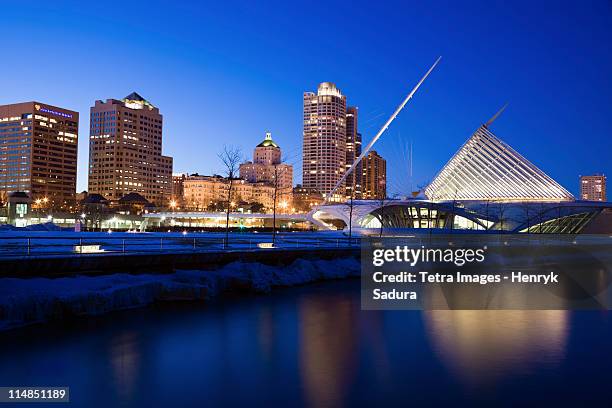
[[125, 151], [38, 153]]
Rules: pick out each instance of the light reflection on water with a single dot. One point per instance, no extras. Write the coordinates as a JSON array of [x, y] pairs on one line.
[[327, 348], [313, 346], [481, 345], [125, 358]]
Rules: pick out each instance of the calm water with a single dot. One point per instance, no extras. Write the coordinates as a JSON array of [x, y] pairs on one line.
[[313, 346]]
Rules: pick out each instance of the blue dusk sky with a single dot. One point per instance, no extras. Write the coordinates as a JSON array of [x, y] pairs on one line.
[[227, 72]]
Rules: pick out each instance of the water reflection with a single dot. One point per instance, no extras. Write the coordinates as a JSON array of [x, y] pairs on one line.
[[313, 346], [125, 360], [327, 348], [266, 334], [482, 345]]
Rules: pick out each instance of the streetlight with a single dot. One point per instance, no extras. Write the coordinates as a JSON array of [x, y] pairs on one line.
[[173, 205], [283, 205]]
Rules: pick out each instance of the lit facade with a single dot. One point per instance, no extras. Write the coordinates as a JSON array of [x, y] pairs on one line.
[[486, 168], [374, 176], [305, 199], [353, 150], [206, 192], [534, 217], [267, 166], [324, 138], [125, 151], [38, 153], [593, 188]]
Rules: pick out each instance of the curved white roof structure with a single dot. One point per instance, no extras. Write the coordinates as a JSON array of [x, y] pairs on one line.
[[486, 168]]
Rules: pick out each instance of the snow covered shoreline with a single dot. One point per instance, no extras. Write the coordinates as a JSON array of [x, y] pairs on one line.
[[28, 301]]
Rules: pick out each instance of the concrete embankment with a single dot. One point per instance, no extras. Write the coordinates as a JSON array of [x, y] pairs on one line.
[[97, 264]]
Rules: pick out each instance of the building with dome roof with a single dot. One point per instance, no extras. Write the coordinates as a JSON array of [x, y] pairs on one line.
[[267, 166]]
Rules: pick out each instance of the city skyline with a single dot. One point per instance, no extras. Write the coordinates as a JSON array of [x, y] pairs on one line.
[[551, 92]]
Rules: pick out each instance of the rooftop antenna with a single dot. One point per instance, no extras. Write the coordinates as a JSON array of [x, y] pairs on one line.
[[382, 130], [499, 112]]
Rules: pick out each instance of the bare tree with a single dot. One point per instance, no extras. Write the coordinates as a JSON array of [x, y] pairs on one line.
[[527, 217], [230, 156], [541, 216], [279, 173], [384, 201], [350, 203], [454, 211], [501, 210]]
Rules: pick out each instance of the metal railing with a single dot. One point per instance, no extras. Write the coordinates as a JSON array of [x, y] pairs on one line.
[[57, 246]]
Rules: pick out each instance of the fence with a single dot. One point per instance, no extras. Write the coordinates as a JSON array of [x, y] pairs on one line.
[[53, 246]]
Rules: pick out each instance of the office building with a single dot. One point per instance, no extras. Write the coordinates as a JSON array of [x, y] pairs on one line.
[[267, 166], [38, 153], [353, 150], [324, 138], [125, 151], [593, 188], [374, 176]]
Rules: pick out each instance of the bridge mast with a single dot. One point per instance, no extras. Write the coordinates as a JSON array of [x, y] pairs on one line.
[[382, 130]]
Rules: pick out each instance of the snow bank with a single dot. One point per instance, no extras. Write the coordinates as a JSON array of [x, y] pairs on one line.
[[26, 301]]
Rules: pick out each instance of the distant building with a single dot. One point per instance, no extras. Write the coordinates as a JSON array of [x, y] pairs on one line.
[[132, 203], [593, 188], [125, 151], [324, 138], [210, 193], [267, 166], [353, 150], [374, 176], [38, 155], [305, 198], [178, 190]]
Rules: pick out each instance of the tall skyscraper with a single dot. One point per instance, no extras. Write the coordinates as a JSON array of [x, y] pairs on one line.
[[353, 150], [266, 166], [125, 150], [38, 152], [374, 176], [324, 138], [593, 188]]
